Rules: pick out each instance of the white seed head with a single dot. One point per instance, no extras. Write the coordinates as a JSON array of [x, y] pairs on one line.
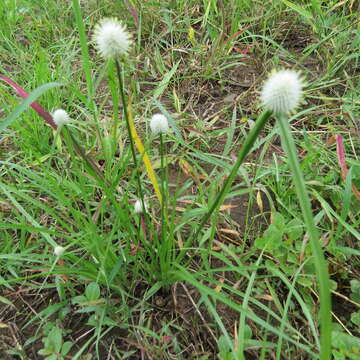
[[138, 208], [111, 38], [59, 251], [60, 117], [159, 124], [282, 91]]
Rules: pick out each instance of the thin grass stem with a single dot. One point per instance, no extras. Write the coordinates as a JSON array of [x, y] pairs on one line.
[[164, 245], [163, 230], [84, 50], [320, 263], [132, 147]]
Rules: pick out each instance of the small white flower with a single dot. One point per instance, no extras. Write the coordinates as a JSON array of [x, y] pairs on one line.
[[159, 124], [282, 91], [138, 208], [111, 38], [60, 117], [59, 251]]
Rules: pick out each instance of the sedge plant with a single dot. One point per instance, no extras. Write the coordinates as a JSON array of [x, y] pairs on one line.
[[281, 95], [113, 42]]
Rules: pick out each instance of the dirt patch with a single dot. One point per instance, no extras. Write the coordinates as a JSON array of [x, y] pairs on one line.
[[177, 310], [13, 334]]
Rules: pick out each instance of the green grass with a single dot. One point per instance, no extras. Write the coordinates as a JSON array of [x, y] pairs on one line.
[[243, 286]]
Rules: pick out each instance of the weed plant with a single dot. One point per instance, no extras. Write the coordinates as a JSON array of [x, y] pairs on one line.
[[148, 208]]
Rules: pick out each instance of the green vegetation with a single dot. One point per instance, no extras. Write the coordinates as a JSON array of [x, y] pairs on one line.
[[225, 262]]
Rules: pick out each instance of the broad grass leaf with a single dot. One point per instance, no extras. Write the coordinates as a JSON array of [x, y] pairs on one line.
[[29, 101]]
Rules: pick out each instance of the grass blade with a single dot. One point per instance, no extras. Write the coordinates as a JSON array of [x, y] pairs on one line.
[[36, 106], [84, 47], [26, 103]]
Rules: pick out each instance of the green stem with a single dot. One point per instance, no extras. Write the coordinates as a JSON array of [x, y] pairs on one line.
[[163, 245], [320, 263], [74, 147], [126, 116], [84, 49], [245, 149], [86, 65]]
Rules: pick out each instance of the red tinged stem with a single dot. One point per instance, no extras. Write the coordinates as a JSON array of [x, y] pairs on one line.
[[35, 105], [340, 151]]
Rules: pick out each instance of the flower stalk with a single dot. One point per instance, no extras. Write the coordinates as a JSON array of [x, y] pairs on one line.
[[164, 238], [288, 143], [159, 126], [132, 147], [282, 94]]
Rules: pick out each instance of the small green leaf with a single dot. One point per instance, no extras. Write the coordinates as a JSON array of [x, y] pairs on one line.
[[92, 291], [44, 352], [55, 339], [278, 221], [292, 258], [294, 229], [248, 332], [355, 318], [355, 290], [338, 355], [274, 237], [66, 347], [347, 344], [333, 284], [260, 243]]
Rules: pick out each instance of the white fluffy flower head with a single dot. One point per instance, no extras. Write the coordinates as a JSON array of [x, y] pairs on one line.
[[159, 124], [111, 38], [138, 208], [282, 91], [59, 251], [60, 117]]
